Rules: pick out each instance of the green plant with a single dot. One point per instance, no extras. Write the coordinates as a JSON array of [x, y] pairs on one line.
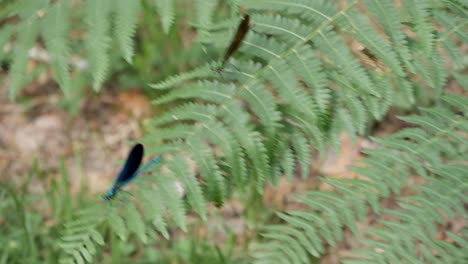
[[95, 41], [296, 85], [434, 150], [30, 220]]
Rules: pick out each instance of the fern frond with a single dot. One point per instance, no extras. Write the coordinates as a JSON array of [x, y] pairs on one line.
[[80, 236], [209, 170], [295, 86], [165, 186], [406, 233], [416, 221], [26, 37], [380, 106], [217, 134], [134, 222], [388, 16], [420, 18], [211, 91], [406, 91], [165, 8], [283, 79], [452, 23], [287, 29], [249, 140], [293, 239], [191, 186], [332, 46], [152, 199], [361, 29], [262, 103], [204, 10], [189, 111], [126, 18], [55, 28], [262, 47], [200, 72], [287, 162], [117, 224], [303, 150], [319, 11], [453, 51], [433, 72], [458, 102], [263, 171], [98, 41], [310, 69]]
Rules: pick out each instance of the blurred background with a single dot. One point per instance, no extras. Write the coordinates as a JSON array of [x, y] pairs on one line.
[[68, 119]]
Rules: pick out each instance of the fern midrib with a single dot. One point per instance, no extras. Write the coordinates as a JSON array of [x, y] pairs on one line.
[[282, 29], [304, 7]]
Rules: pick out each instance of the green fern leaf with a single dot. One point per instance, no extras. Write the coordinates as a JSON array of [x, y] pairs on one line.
[[250, 140], [118, 225], [420, 17], [311, 130], [126, 18], [309, 67], [98, 40], [310, 241], [209, 170], [200, 72], [26, 36], [319, 11], [263, 170], [96, 237], [287, 162], [154, 210], [204, 10], [213, 92], [461, 79], [386, 13], [165, 9], [336, 50], [380, 106], [282, 234], [165, 186], [453, 51], [78, 258], [191, 186], [407, 91], [358, 112], [219, 135], [189, 111], [179, 131], [288, 88], [134, 222], [287, 29], [459, 102], [262, 103], [362, 30], [55, 31], [303, 153], [453, 23]]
